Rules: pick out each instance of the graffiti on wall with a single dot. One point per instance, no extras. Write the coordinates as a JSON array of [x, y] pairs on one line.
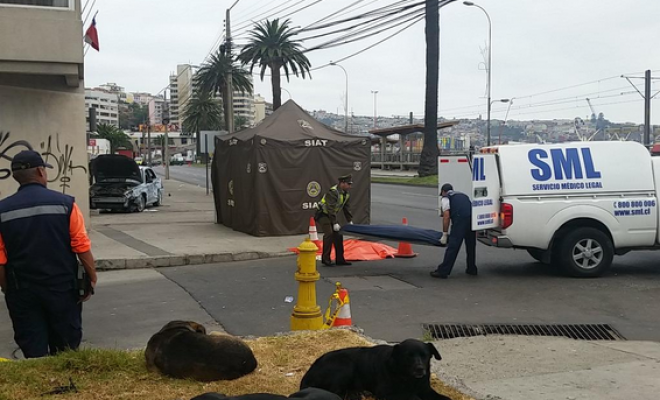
[[6, 146], [59, 156], [61, 160]]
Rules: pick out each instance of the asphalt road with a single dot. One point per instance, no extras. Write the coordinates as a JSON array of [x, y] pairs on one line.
[[391, 299], [183, 173]]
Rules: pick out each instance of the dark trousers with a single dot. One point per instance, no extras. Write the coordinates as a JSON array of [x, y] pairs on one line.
[[461, 231], [45, 321], [331, 238]]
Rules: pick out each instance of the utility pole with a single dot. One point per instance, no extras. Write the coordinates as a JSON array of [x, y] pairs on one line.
[[166, 144], [647, 103], [229, 98], [149, 144], [647, 108], [375, 93], [428, 164]]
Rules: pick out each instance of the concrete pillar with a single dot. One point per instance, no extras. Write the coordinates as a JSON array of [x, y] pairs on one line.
[[383, 151], [43, 113]]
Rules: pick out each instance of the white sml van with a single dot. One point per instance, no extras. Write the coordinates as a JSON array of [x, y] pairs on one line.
[[573, 204]]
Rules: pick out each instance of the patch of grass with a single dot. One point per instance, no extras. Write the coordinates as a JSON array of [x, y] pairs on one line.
[[199, 165], [431, 181], [111, 374]]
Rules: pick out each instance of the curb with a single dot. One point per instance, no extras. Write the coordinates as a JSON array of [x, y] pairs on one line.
[[403, 184], [183, 260]]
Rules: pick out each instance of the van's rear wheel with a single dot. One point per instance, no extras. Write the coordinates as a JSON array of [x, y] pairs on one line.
[[539, 255], [585, 252]]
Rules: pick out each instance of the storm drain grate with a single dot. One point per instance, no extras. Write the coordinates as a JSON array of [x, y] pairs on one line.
[[578, 332]]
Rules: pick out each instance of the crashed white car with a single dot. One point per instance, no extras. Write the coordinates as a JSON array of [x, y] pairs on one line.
[[121, 185]]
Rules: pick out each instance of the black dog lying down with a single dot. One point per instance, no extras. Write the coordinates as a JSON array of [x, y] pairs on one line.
[[400, 372], [306, 394], [182, 349]]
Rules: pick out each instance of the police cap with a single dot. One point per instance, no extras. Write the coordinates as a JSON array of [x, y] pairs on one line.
[[28, 159], [346, 178]]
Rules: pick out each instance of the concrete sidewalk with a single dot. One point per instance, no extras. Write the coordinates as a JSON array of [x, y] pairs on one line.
[[180, 232], [536, 368]]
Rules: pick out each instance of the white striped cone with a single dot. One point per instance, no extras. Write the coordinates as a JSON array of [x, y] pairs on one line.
[[344, 315], [313, 234]]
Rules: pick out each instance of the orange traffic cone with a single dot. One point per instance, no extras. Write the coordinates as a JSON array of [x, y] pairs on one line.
[[405, 249], [313, 234], [344, 315]]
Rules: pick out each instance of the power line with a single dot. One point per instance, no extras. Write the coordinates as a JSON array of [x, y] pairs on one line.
[[365, 25], [370, 46], [245, 14], [378, 11], [353, 37], [260, 13], [333, 14], [541, 105], [241, 28]]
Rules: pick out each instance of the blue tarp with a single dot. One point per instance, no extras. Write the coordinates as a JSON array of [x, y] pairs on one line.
[[426, 237]]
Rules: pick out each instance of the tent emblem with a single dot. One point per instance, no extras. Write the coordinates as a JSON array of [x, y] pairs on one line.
[[305, 124], [263, 142], [313, 189], [249, 168], [231, 187], [263, 167], [357, 165], [233, 142]]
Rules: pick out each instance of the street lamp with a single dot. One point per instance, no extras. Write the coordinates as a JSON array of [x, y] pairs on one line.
[[488, 69], [375, 93], [287, 92], [506, 116], [346, 97]]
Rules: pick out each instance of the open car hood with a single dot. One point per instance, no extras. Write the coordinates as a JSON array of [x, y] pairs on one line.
[[114, 167]]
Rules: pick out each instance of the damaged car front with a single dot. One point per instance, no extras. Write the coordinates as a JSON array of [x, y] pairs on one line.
[[118, 184]]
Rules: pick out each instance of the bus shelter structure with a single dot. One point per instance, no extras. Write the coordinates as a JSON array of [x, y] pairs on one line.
[[406, 157]]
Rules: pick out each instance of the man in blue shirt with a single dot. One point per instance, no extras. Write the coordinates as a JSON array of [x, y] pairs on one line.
[[457, 210]]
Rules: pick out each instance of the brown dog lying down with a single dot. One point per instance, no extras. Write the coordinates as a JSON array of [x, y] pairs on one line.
[[305, 394], [182, 349]]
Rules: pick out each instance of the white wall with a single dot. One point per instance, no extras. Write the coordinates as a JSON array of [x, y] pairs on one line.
[[46, 115]]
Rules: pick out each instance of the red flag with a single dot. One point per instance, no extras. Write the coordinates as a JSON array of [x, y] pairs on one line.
[[92, 36]]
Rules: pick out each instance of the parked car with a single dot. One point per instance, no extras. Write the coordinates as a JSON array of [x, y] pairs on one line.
[[177, 159], [121, 185]]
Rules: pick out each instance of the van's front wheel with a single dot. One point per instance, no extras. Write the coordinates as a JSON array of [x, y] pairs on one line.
[[585, 253]]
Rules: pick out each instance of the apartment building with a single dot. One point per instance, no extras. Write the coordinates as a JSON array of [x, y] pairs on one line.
[[156, 106], [106, 105], [261, 109], [181, 91], [244, 108]]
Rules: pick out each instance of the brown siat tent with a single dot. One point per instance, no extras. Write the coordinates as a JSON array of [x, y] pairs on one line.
[[268, 179]]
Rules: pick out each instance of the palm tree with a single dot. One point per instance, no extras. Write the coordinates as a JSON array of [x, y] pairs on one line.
[[202, 113], [271, 46], [115, 136], [241, 122], [212, 77]]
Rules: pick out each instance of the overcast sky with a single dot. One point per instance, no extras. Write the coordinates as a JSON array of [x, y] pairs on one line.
[[539, 46]]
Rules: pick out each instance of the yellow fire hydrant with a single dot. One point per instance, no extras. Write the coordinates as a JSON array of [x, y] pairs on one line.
[[306, 313]]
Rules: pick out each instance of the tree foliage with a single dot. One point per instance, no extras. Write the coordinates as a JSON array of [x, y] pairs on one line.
[[202, 113], [132, 115], [272, 46], [115, 136], [212, 78]]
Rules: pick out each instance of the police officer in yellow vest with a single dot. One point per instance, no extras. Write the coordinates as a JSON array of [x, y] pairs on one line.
[[335, 200]]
